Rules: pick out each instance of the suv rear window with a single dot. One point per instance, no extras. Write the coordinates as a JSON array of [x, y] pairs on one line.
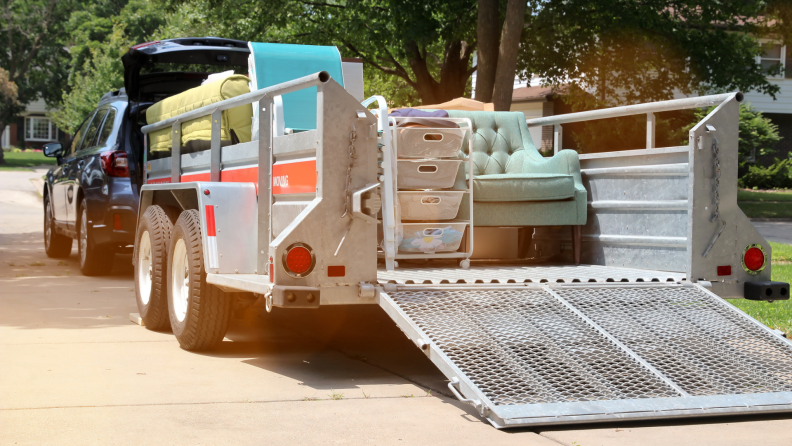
[[107, 128]]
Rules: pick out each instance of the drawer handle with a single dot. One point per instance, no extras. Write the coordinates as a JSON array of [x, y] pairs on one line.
[[433, 137], [432, 232], [427, 169], [430, 200]]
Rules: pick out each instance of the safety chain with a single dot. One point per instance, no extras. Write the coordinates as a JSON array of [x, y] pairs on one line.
[[715, 153], [352, 155]]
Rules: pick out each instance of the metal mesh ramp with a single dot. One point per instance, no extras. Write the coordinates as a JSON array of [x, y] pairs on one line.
[[553, 354]]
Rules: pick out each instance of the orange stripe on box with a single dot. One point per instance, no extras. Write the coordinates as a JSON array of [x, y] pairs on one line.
[[158, 181], [294, 177], [195, 177]]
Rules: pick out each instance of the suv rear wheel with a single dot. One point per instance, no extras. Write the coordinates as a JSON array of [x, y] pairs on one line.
[[56, 245], [94, 260]]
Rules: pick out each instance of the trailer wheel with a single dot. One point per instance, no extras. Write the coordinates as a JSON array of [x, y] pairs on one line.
[[199, 312], [151, 266]]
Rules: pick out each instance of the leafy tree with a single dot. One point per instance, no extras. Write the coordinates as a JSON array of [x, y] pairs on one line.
[[33, 34], [9, 104], [96, 53], [426, 44], [625, 52]]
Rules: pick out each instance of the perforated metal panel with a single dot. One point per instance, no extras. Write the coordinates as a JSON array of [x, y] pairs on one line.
[[540, 354]]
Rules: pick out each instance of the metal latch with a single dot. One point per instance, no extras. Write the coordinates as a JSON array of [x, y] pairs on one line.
[[366, 203]]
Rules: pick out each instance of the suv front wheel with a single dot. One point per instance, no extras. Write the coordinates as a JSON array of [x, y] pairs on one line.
[[94, 260]]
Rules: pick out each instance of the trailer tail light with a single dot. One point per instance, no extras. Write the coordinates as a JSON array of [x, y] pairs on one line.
[[117, 222], [754, 259], [298, 260], [724, 270], [115, 164], [271, 271]]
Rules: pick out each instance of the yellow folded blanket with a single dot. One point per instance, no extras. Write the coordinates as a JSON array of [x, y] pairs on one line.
[[237, 119]]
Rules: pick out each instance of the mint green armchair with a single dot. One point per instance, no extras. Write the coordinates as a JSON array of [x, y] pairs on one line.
[[514, 185]]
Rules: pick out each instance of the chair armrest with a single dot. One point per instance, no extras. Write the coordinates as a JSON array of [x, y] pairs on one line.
[[565, 161]]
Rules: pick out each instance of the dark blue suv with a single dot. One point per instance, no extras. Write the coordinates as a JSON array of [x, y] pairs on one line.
[[92, 195]]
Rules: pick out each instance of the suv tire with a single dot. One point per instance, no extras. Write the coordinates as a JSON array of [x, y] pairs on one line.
[[57, 246], [199, 312], [94, 260]]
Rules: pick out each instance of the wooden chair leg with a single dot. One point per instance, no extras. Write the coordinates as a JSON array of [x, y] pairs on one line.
[[577, 239]]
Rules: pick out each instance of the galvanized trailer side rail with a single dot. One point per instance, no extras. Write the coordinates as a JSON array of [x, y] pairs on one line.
[[671, 208], [536, 354]]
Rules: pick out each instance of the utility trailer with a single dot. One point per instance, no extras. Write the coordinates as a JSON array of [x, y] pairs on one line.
[[639, 330]]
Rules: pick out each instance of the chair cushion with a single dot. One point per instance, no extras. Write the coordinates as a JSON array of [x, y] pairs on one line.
[[523, 187]]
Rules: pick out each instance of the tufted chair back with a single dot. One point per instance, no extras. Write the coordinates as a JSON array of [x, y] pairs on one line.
[[501, 142]]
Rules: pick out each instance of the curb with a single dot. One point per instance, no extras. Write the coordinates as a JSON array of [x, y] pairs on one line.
[[772, 219]]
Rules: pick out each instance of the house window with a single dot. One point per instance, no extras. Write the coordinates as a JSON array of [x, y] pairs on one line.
[[40, 129], [774, 55]]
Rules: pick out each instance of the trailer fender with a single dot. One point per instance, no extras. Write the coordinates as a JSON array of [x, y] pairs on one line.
[[228, 213]]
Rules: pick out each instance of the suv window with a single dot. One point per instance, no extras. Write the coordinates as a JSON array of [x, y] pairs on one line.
[[93, 128], [107, 128], [79, 136]]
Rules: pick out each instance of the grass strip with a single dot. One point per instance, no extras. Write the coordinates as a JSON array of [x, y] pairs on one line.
[[755, 209], [25, 160], [752, 195]]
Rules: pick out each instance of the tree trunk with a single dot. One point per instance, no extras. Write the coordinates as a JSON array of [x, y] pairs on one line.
[[3, 125], [507, 56], [487, 55]]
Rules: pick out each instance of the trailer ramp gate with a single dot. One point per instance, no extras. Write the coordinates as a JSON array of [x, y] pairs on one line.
[[539, 354]]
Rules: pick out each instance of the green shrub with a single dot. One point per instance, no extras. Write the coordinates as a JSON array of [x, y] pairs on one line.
[[778, 175]]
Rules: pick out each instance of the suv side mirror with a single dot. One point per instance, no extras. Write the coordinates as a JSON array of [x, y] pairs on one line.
[[53, 149]]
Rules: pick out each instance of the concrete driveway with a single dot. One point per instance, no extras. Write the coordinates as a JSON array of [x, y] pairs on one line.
[[74, 370]]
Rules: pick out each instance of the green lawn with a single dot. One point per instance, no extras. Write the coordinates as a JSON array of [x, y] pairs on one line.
[[25, 160], [765, 204], [778, 314], [751, 195]]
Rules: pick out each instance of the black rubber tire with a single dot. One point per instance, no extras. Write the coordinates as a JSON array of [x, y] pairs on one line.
[[156, 223], [208, 308], [97, 260], [57, 246]]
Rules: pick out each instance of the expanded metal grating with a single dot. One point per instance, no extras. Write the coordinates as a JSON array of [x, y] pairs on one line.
[[691, 337], [525, 347]]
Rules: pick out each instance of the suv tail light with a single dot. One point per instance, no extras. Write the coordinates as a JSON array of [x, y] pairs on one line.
[[298, 260], [115, 164]]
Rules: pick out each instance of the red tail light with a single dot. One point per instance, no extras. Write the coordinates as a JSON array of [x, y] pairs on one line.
[[754, 259], [298, 260], [115, 164]]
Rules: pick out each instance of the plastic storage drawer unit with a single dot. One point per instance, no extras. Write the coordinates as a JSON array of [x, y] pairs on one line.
[[431, 237], [421, 142], [430, 205], [426, 174]]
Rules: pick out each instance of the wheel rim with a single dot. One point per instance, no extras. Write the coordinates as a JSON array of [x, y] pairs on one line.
[[47, 224], [144, 267], [180, 280], [83, 236]]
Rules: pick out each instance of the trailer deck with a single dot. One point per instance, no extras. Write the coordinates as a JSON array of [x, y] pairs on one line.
[[505, 274]]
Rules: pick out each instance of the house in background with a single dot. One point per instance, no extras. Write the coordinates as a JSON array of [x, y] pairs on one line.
[[33, 129]]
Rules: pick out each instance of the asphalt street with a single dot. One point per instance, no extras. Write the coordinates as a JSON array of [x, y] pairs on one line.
[[75, 370]]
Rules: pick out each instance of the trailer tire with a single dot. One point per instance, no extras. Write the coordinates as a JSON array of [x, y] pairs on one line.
[[199, 311], [151, 267]]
